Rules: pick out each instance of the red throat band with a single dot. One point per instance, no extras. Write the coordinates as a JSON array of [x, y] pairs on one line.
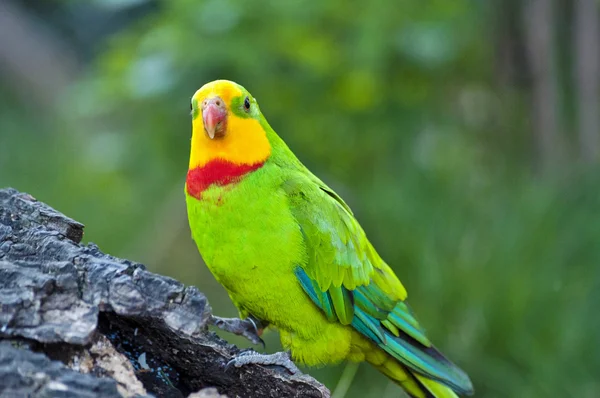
[[216, 172]]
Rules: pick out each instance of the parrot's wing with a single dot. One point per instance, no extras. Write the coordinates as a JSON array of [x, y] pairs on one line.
[[346, 278]]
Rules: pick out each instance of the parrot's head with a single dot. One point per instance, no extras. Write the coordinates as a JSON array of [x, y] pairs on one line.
[[226, 126], [229, 136]]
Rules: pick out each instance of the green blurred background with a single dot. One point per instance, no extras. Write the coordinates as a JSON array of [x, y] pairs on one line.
[[465, 135]]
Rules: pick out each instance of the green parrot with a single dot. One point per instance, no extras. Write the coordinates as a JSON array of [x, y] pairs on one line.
[[291, 255]]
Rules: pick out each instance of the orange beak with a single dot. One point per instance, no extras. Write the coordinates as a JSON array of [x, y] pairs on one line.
[[214, 117]]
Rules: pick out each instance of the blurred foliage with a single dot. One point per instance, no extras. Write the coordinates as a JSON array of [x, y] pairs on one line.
[[395, 106]]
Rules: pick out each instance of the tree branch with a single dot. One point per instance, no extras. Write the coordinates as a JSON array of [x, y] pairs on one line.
[[84, 322]]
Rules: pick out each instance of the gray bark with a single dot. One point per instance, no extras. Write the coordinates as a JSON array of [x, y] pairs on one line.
[[77, 322]]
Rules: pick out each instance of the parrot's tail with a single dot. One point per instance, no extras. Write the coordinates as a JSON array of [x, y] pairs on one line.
[[414, 384]]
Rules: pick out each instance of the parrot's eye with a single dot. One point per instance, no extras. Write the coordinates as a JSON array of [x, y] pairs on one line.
[[191, 106], [247, 104]]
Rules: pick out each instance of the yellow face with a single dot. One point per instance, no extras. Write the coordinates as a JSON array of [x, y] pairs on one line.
[[226, 126]]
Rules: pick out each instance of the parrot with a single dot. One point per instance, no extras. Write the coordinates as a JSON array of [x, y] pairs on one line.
[[292, 256]]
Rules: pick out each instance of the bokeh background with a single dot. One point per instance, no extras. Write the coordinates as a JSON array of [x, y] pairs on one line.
[[465, 134]]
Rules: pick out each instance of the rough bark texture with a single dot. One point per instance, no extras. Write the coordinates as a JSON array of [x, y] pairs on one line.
[[76, 322]]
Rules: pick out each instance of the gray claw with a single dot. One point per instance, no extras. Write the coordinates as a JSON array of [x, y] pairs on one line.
[[252, 357], [242, 327]]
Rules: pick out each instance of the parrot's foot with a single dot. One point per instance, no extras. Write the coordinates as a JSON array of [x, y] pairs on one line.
[[252, 357], [250, 327]]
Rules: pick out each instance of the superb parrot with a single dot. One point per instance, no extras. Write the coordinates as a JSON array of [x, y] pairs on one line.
[[291, 254]]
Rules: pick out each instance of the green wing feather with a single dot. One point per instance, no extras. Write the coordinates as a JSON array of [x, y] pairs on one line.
[[346, 278]]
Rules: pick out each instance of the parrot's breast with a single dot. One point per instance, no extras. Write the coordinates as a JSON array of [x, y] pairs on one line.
[[251, 243]]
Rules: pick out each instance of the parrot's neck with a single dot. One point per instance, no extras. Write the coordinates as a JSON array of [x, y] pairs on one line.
[[216, 172]]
